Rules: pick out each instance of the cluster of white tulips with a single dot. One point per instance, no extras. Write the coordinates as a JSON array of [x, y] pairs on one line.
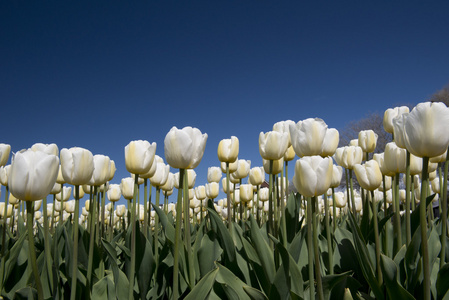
[[421, 139]]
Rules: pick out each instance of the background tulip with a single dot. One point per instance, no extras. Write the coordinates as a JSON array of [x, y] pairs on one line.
[[395, 158], [273, 144], [32, 175], [256, 176], [367, 140], [212, 190], [243, 167], [127, 188], [368, 175], [214, 174], [246, 192], [102, 171], [348, 156], [5, 149], [313, 175], [46, 148], [114, 192], [392, 113]]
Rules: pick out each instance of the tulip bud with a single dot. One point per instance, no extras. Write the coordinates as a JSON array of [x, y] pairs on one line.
[[273, 145], [5, 150], [4, 171], [256, 176], [214, 174], [313, 175], [284, 126], [64, 194], [337, 173], [200, 192], [395, 158], [232, 166], [367, 140], [228, 150], [348, 156], [114, 192], [277, 166], [32, 175], [184, 148], [76, 165], [212, 190], [243, 167], [161, 176], [392, 113], [289, 154], [127, 188], [169, 184], [368, 175], [246, 192], [225, 187], [139, 156], [102, 170]]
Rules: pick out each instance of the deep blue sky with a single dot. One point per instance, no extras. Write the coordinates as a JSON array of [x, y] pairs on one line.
[[98, 75]]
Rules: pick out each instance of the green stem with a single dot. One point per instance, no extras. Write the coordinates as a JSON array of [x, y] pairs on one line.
[[228, 197], [319, 285], [376, 238], [111, 222], [93, 226], [75, 244], [408, 232], [386, 235], [354, 210], [270, 227], [156, 232], [48, 259], [397, 215], [443, 201], [178, 235], [328, 236], [52, 214], [310, 249], [32, 252], [133, 240], [103, 208], [423, 225], [145, 207], [187, 237], [334, 210], [282, 212], [2, 270]]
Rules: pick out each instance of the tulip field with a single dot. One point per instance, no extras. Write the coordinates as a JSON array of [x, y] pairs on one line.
[[322, 238]]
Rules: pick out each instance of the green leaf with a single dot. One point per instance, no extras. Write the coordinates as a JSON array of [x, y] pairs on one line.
[[442, 284], [168, 227], [336, 286], [203, 287], [389, 271], [208, 253], [223, 235]]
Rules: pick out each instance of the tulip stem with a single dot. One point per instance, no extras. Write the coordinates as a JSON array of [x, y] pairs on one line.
[[397, 216], [319, 285], [49, 261], [178, 235], [75, 244], [270, 227], [30, 223], [111, 222], [310, 249], [282, 212], [408, 232], [2, 270], [354, 210], [228, 198], [156, 232], [93, 226], [145, 208], [376, 237], [423, 225], [334, 210], [328, 236], [188, 242], [133, 240], [443, 201]]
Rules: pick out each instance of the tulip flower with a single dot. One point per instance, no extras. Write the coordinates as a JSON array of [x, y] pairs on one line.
[[102, 171], [243, 167], [273, 144], [256, 176], [348, 156], [228, 150], [246, 192], [392, 113], [32, 175], [200, 192], [114, 192], [214, 174], [139, 156], [127, 188], [5, 149], [46, 148], [368, 175], [64, 194], [313, 175], [4, 172], [284, 126], [212, 190], [367, 140]]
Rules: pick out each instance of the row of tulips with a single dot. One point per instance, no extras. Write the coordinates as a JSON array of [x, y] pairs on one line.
[[248, 245]]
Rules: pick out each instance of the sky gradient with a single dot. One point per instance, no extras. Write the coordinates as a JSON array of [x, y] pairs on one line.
[[99, 75]]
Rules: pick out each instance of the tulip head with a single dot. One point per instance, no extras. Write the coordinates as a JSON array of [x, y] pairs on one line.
[[368, 175], [127, 187], [256, 176], [102, 171], [4, 172], [273, 144], [348, 156], [392, 113], [228, 150], [184, 148], [139, 156], [277, 166], [5, 150], [246, 192], [367, 140], [212, 190], [200, 192], [161, 176], [46, 148], [114, 192], [284, 126], [77, 165], [169, 184], [337, 174], [214, 174], [426, 129], [32, 175], [313, 175], [243, 167], [395, 158]]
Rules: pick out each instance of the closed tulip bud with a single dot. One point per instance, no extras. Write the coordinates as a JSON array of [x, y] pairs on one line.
[[46, 148], [228, 150], [273, 145], [246, 192], [232, 166], [313, 175], [5, 150], [114, 192], [368, 175], [157, 159], [140, 180], [56, 188], [380, 158], [243, 167], [161, 176], [70, 206], [59, 206], [395, 158], [392, 113], [112, 170], [440, 158], [340, 200], [348, 156], [426, 129], [120, 210], [87, 189], [4, 171], [8, 210], [367, 140], [139, 156], [284, 126], [12, 199], [233, 179], [84, 211], [77, 165], [32, 175], [200, 192], [354, 142], [37, 205], [184, 148], [64, 194], [337, 174], [225, 187], [191, 177], [127, 188], [289, 154], [398, 130], [277, 166], [60, 178], [432, 175], [330, 143], [256, 176], [212, 190], [169, 184], [191, 193], [236, 197], [214, 174]]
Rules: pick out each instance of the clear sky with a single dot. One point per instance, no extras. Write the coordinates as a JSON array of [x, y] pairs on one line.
[[99, 74]]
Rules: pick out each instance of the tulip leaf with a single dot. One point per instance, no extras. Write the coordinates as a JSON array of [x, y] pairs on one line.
[[223, 235], [168, 227], [364, 260], [208, 253], [442, 282], [414, 217], [144, 262], [204, 286], [334, 286], [291, 215], [389, 272]]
